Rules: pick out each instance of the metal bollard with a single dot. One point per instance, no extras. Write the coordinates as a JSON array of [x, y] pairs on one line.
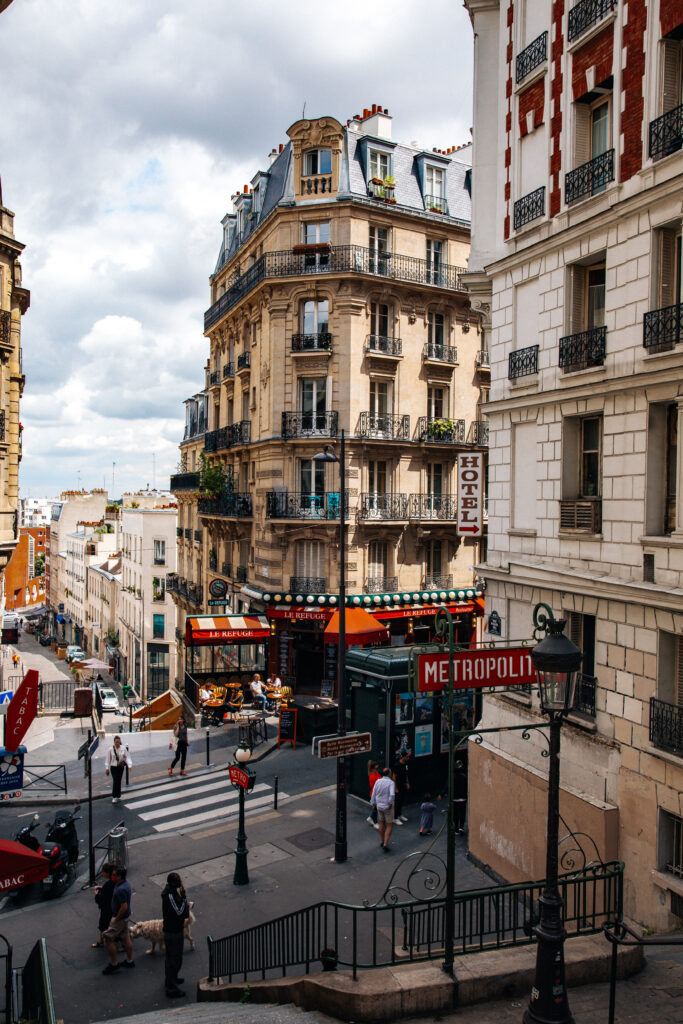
[[208, 746], [276, 783], [117, 850]]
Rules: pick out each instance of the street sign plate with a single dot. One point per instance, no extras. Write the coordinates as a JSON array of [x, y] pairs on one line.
[[342, 746], [6, 696], [93, 746], [83, 749], [215, 601], [240, 776]]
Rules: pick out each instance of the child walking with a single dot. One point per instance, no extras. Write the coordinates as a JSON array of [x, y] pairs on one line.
[[427, 809]]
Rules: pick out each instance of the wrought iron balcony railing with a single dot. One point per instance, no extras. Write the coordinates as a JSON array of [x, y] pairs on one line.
[[587, 13], [378, 344], [231, 506], [478, 433], [320, 342], [440, 430], [440, 581], [241, 576], [308, 584], [581, 515], [383, 426], [380, 584], [188, 534], [226, 569], [435, 353], [529, 208], [482, 360], [178, 530], [383, 506], [239, 433], [433, 506], [303, 505], [523, 362], [5, 328], [229, 370], [185, 482], [666, 133], [195, 594], [666, 725], [531, 57], [172, 582], [214, 378], [662, 328], [584, 701], [309, 424], [590, 178], [243, 361], [580, 351], [342, 259], [436, 204], [213, 563], [216, 440], [198, 536]]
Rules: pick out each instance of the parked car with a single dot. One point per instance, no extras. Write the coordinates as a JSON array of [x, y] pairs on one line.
[[110, 702], [75, 653], [44, 639]]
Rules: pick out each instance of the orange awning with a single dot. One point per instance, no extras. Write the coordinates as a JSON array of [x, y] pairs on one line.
[[361, 628]]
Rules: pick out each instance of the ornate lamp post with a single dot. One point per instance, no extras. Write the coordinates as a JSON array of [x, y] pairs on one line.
[[327, 455], [557, 661], [242, 779]]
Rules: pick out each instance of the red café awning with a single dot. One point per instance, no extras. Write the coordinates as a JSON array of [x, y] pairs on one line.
[[20, 866], [205, 630], [361, 628]]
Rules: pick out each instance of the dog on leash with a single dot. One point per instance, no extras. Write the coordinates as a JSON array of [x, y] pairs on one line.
[[153, 931]]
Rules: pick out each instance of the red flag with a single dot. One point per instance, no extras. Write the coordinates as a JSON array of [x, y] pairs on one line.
[[22, 709]]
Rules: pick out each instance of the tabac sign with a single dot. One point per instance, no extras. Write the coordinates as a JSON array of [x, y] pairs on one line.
[[469, 519], [504, 666]]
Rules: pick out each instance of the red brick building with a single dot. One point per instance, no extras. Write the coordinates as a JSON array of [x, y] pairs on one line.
[[24, 583]]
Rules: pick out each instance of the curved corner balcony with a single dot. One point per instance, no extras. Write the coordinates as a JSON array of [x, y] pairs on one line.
[[185, 482], [383, 427], [309, 424], [440, 430]]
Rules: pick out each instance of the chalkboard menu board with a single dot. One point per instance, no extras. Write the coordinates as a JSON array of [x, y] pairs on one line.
[[331, 662], [284, 646], [327, 688], [286, 732]]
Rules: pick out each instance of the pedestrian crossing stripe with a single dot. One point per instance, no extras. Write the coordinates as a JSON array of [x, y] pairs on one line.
[[166, 805]]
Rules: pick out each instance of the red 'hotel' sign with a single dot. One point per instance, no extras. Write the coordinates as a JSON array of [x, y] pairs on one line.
[[502, 666]]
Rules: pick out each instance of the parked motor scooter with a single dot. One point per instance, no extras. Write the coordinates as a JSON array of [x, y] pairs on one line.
[[62, 870], [63, 831]]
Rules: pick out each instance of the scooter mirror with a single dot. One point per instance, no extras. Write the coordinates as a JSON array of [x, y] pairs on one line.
[[36, 817]]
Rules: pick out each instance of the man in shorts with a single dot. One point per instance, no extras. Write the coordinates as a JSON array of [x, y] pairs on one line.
[[118, 930], [383, 796]]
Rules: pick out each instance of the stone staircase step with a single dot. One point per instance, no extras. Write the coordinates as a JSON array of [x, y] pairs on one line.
[[224, 1013]]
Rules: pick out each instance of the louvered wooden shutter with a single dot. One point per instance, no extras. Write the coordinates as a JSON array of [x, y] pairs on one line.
[[672, 76], [578, 300], [582, 134], [667, 266], [574, 628], [679, 671]]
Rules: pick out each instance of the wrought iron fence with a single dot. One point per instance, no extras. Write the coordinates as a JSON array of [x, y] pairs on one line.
[[666, 133], [440, 431], [243, 361], [185, 482], [523, 362], [581, 514], [433, 506], [590, 178], [380, 345], [531, 56], [580, 351], [383, 426], [229, 370], [529, 208], [585, 695], [443, 581], [309, 424], [239, 433], [666, 725], [436, 204], [214, 378], [478, 433], [662, 328], [383, 506], [342, 259], [56, 695], [587, 13], [308, 584], [380, 584], [439, 353], [195, 594], [232, 506], [46, 777], [379, 936], [320, 342], [303, 505]]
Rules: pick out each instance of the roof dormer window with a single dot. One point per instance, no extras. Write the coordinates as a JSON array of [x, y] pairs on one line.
[[318, 161]]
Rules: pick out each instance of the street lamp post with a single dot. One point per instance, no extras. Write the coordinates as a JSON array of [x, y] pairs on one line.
[[557, 661], [340, 846], [242, 779]]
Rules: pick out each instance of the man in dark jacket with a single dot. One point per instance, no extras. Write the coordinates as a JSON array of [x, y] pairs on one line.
[[175, 910]]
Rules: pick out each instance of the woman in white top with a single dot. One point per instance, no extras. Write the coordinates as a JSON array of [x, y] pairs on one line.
[[118, 757]]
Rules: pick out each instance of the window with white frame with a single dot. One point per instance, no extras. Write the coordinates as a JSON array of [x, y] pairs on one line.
[[433, 562], [435, 179], [378, 562], [380, 245], [435, 333], [313, 404], [381, 321], [435, 260], [160, 552], [310, 559], [315, 316], [379, 164], [317, 161], [662, 469], [437, 402]]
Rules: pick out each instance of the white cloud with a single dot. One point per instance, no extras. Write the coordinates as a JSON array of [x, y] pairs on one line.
[[131, 125]]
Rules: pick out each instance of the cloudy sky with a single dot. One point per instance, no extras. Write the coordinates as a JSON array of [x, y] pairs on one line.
[[124, 129]]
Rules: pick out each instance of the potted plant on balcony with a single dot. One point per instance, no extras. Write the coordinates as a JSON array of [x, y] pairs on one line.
[[441, 429], [213, 479]]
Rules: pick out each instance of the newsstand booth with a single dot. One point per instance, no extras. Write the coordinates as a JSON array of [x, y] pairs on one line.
[[224, 651], [379, 701]]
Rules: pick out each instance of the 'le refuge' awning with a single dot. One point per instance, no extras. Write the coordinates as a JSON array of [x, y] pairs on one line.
[[205, 630]]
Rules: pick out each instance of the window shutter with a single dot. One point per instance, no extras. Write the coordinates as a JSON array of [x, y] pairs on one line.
[[578, 300], [582, 134], [679, 671], [574, 628], [667, 266], [671, 74]]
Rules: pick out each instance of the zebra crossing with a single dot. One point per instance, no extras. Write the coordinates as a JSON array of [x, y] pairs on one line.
[[179, 802]]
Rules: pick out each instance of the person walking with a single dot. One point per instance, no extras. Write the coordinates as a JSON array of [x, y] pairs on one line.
[[383, 796], [118, 757], [180, 734], [103, 896], [175, 911], [427, 809], [118, 930], [402, 781], [374, 775]]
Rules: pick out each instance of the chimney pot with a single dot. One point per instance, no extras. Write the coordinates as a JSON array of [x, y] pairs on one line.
[[281, 147], [374, 108], [366, 113], [245, 189]]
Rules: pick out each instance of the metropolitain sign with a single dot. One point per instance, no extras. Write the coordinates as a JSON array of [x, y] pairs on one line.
[[474, 670]]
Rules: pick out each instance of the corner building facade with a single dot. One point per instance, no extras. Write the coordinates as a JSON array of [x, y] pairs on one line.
[[337, 304], [576, 269]]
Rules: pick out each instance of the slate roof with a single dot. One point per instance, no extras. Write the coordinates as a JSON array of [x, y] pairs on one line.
[[352, 184]]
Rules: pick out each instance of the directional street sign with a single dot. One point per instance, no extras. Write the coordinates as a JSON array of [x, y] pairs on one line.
[[83, 749], [342, 746], [93, 746], [6, 696]]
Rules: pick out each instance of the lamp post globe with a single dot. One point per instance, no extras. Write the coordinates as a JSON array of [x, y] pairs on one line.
[[242, 753]]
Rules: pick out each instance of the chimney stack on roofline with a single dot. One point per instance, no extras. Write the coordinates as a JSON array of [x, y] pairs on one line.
[[272, 156], [376, 122]]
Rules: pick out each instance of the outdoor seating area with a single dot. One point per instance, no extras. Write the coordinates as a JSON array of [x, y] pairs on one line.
[[219, 700]]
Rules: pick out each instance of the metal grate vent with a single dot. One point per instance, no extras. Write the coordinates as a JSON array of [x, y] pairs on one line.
[[677, 905], [648, 568]]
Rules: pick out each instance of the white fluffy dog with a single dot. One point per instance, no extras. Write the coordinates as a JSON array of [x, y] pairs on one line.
[[153, 931]]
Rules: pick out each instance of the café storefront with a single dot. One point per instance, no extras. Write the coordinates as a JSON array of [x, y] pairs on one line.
[[223, 651]]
